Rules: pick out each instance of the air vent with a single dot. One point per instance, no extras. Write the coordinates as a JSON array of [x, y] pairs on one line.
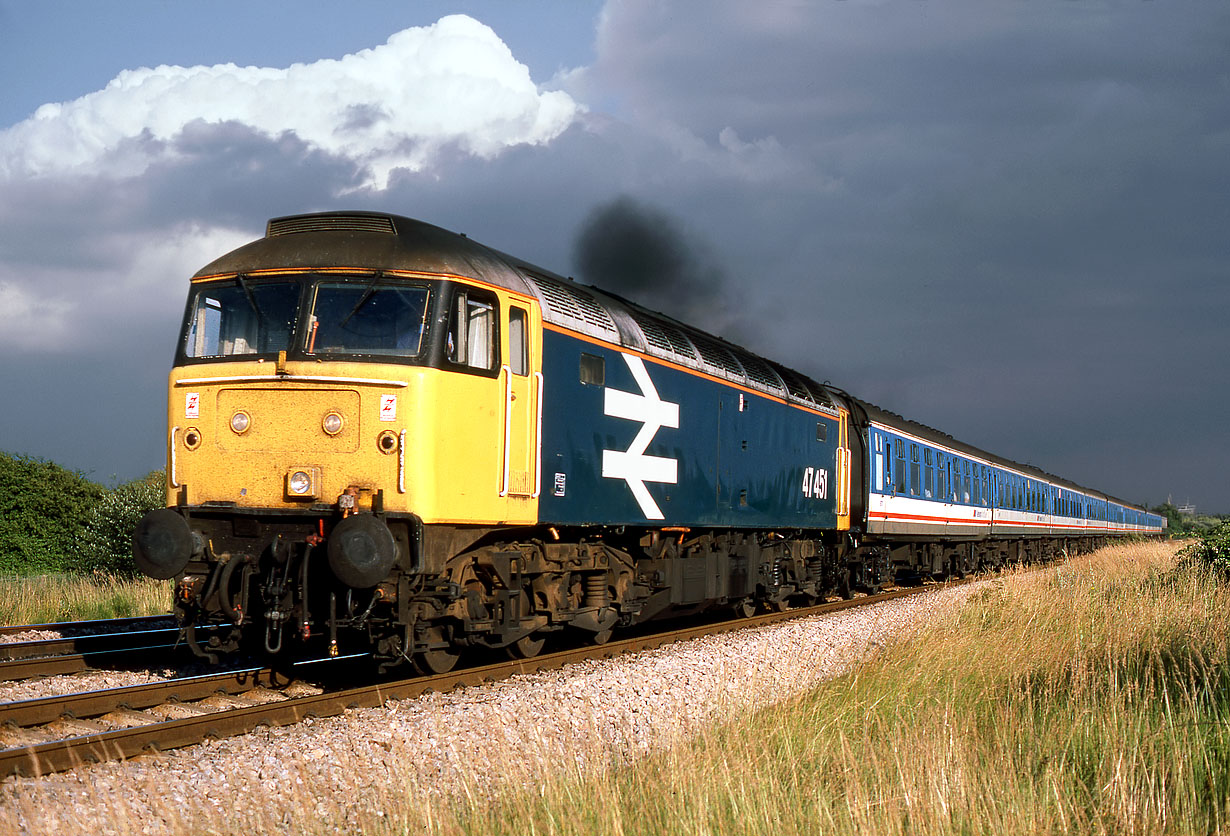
[[794, 383], [663, 336], [573, 306], [717, 357], [330, 223], [758, 372]]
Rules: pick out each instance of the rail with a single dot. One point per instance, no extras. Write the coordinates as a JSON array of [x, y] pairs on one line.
[[276, 708]]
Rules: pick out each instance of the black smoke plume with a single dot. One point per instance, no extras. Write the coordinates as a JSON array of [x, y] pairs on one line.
[[642, 254]]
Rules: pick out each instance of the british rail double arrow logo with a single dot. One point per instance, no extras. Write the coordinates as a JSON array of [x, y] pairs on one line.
[[632, 465]]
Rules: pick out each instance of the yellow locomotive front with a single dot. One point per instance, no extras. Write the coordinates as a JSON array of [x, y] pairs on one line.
[[337, 392]]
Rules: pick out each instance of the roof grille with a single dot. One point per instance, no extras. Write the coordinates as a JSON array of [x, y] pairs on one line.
[[758, 371], [330, 223], [717, 357], [663, 336], [795, 385], [571, 303]]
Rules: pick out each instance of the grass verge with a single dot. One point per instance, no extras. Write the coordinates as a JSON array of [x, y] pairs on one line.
[[1091, 697], [41, 599]]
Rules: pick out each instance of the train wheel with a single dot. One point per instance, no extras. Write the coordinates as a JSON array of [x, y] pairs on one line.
[[745, 608], [438, 659], [527, 647], [845, 585]]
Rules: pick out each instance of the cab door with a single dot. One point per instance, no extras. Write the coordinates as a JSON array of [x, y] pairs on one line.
[[843, 472], [522, 402]]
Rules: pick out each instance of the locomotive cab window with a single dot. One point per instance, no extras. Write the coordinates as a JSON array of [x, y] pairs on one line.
[[518, 341], [240, 317], [371, 318], [471, 337]]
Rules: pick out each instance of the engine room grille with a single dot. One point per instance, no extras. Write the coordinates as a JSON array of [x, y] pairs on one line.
[[794, 383], [574, 304], [330, 223], [717, 357], [663, 336], [758, 372]]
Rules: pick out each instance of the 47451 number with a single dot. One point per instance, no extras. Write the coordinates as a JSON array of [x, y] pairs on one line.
[[816, 483]]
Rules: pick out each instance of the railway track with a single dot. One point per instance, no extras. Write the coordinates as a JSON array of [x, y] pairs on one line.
[[108, 644], [70, 629], [56, 734], [120, 650]]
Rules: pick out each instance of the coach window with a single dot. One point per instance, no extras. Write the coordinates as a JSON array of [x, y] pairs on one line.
[[879, 461], [899, 455], [967, 484], [471, 334], [915, 480], [928, 473]]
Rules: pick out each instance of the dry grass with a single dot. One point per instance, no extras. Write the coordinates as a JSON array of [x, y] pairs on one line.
[[47, 598], [1092, 697]]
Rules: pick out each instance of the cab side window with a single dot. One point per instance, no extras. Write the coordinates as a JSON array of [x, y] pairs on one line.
[[518, 341], [471, 336]]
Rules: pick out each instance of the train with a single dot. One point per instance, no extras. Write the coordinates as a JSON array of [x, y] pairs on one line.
[[385, 437]]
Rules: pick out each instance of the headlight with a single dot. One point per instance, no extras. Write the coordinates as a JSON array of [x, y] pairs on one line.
[[240, 422], [332, 423], [303, 483]]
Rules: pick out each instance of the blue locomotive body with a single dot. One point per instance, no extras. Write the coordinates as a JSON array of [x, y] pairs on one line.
[[631, 440]]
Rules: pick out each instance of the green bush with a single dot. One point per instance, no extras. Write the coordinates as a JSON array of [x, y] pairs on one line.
[[106, 541], [1211, 551], [43, 510]]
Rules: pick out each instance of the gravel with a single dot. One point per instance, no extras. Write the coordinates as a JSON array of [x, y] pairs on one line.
[[367, 762]]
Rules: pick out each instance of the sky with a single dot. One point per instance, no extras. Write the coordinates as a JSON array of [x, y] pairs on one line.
[[1006, 219]]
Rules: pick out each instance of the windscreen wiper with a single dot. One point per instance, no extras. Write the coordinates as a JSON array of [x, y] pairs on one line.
[[247, 292], [367, 293]]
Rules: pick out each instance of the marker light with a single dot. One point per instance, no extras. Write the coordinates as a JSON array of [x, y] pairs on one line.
[[240, 422], [332, 423]]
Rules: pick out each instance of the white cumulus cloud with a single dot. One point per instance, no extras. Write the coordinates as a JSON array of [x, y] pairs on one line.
[[453, 83]]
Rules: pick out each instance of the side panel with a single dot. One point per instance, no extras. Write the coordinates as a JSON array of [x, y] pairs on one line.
[[629, 440]]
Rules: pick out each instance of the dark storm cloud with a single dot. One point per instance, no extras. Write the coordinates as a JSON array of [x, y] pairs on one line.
[[1005, 221]]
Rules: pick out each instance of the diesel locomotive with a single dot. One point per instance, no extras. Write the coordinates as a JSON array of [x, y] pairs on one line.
[[387, 437]]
